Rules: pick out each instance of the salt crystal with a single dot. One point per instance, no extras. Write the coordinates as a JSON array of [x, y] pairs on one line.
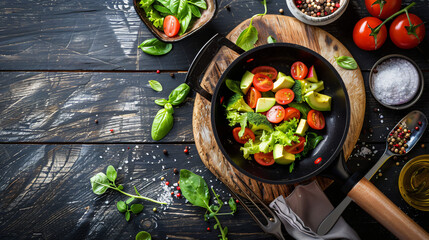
[[101, 156]]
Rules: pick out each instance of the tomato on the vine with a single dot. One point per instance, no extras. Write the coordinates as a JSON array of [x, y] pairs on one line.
[[362, 31], [267, 71], [262, 82], [171, 26], [265, 159], [298, 70], [382, 8], [248, 134], [402, 35]]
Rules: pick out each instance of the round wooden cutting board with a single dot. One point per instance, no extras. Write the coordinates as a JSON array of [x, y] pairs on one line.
[[283, 29]]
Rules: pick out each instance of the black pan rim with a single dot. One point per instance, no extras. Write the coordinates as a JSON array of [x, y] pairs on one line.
[[345, 130]]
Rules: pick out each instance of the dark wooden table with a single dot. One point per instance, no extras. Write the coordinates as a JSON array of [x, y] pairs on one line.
[[66, 63]]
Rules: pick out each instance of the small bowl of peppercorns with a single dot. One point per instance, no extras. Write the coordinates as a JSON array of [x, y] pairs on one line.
[[317, 12]]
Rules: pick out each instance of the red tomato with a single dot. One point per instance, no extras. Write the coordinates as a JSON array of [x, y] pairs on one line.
[[276, 114], [171, 26], [267, 71], [296, 147], [298, 70], [248, 134], [252, 97], [265, 159], [399, 35], [262, 82], [389, 7], [361, 33], [316, 120], [291, 113], [284, 96]]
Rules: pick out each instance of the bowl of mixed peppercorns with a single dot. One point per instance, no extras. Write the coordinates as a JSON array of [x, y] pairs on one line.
[[317, 12]]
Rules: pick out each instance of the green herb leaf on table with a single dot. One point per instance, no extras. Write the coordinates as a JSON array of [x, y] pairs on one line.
[[161, 102], [129, 200], [136, 208], [111, 173], [122, 206], [270, 39], [291, 167], [155, 47], [346, 62], [162, 123], [143, 235], [127, 216], [100, 183], [194, 188], [155, 85], [249, 36], [178, 95]]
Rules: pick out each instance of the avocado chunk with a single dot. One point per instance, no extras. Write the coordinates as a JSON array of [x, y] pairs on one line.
[[282, 81], [318, 101], [236, 102], [302, 127], [264, 104], [312, 76], [246, 81], [281, 156]]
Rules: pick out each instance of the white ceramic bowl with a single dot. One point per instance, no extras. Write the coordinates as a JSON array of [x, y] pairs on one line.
[[317, 21]]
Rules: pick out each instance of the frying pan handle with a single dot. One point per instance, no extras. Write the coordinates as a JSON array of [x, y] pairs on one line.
[[203, 59], [370, 199]]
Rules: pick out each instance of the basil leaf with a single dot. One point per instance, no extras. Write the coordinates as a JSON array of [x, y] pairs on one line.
[[111, 173], [166, 3], [155, 85], [178, 95], [302, 107], [155, 47], [271, 39], [195, 11], [194, 189], [233, 86], [174, 6], [100, 183], [161, 102], [143, 235], [122, 207], [199, 3], [162, 123], [232, 205], [162, 9], [185, 21], [182, 11], [346, 62], [127, 216], [248, 37], [136, 208]]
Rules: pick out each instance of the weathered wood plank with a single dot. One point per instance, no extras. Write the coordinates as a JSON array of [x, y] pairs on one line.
[[104, 35], [63, 107], [45, 193]]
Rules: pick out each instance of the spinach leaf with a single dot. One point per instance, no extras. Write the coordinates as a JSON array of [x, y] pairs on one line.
[[302, 107], [162, 123], [311, 141], [195, 11], [233, 86], [194, 188], [174, 6], [111, 173], [248, 37], [143, 235], [161, 102], [178, 95], [183, 9], [155, 47], [346, 62], [199, 3], [271, 39], [100, 183], [155, 85], [162, 9], [185, 21]]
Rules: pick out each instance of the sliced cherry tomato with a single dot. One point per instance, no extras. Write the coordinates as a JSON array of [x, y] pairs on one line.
[[265, 159], [299, 70], [316, 120], [296, 147], [384, 10], [362, 31], [267, 71], [248, 134], [276, 114], [171, 26], [291, 112], [252, 97], [262, 82], [399, 34], [284, 96]]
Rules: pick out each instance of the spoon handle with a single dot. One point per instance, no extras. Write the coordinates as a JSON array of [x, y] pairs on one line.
[[335, 214]]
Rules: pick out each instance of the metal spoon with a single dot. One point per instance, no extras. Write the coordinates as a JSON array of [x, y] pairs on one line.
[[410, 122]]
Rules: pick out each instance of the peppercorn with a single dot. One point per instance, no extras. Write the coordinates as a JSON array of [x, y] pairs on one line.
[[178, 195], [165, 152], [423, 146], [175, 171], [281, 11], [172, 75], [96, 121], [178, 188], [397, 163], [158, 71], [208, 229], [380, 174], [154, 209], [417, 128], [167, 183], [111, 130], [162, 178], [228, 8]]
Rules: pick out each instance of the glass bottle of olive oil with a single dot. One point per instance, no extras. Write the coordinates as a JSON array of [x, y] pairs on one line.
[[414, 182]]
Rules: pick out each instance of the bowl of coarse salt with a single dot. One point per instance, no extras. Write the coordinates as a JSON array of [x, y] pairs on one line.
[[396, 81]]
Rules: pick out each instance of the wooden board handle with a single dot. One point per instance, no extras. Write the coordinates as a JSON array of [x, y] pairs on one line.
[[370, 199]]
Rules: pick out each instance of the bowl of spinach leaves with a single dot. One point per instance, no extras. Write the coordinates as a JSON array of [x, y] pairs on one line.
[[192, 15]]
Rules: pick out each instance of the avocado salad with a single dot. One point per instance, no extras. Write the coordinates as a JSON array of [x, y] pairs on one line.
[[275, 115]]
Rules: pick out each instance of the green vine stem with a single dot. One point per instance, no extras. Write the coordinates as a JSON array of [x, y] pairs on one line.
[[377, 29]]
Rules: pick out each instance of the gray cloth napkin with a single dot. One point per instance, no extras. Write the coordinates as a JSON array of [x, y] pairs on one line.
[[303, 210]]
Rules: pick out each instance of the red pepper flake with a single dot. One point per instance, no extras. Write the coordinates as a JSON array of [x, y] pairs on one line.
[[167, 183], [128, 148], [208, 229], [111, 130], [318, 160], [417, 128], [178, 195], [236, 201], [178, 188], [158, 71], [249, 60], [420, 123], [186, 150]]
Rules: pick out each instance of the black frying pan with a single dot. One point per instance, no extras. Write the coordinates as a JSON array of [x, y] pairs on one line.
[[281, 56]]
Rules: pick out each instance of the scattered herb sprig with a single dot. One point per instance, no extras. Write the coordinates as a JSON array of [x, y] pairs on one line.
[[196, 191], [249, 36], [346, 62], [124, 207], [101, 182]]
